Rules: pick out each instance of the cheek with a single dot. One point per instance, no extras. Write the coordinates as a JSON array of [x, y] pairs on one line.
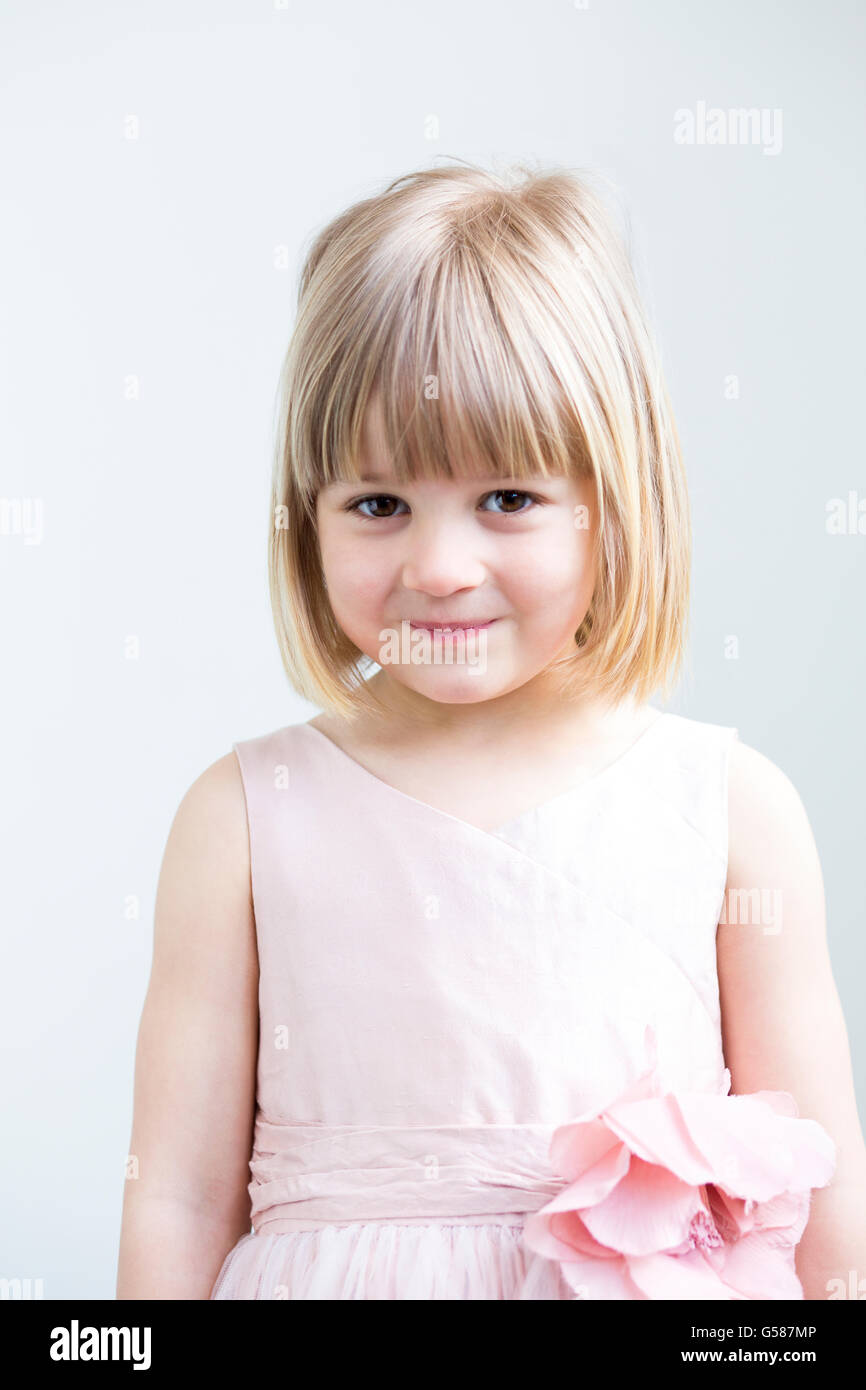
[[353, 576], [555, 568]]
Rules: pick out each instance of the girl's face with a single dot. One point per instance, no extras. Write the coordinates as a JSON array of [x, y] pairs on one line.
[[513, 555]]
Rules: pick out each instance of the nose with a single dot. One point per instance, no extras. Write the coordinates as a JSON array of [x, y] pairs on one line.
[[440, 558]]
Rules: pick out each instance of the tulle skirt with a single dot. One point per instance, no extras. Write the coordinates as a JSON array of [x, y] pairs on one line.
[[373, 1260]]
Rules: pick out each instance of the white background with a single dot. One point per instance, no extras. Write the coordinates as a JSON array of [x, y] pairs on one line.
[[163, 168]]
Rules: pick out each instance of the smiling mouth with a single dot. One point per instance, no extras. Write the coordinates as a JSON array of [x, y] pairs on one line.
[[453, 627]]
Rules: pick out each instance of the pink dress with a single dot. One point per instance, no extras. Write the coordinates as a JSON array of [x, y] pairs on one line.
[[437, 1002]]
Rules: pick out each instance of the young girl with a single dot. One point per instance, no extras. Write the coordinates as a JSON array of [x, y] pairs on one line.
[[491, 981]]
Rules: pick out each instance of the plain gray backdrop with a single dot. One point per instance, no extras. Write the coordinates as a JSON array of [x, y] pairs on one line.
[[163, 167]]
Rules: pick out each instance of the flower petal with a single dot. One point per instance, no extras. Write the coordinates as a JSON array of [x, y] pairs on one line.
[[783, 1219], [758, 1268], [593, 1185], [579, 1145], [729, 1213], [679, 1277], [600, 1279], [538, 1237], [571, 1228], [753, 1149], [562, 1236], [656, 1132], [649, 1211], [743, 1144]]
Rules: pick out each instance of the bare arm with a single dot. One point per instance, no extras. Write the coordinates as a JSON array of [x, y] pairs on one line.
[[195, 1067], [782, 1021]]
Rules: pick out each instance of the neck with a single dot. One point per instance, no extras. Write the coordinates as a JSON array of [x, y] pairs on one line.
[[537, 705]]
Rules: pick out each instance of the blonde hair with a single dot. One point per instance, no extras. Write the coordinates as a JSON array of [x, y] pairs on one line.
[[497, 320]]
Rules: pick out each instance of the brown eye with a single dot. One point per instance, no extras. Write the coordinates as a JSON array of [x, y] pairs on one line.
[[382, 500], [510, 496]]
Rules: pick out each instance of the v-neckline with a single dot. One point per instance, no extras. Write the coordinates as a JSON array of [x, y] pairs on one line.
[[521, 816]]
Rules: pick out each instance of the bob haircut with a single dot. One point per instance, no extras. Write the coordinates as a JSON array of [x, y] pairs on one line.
[[497, 321]]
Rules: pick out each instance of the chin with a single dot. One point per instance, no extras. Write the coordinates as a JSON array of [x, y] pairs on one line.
[[458, 688]]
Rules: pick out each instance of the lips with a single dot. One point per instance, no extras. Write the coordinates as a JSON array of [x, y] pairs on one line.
[[452, 627]]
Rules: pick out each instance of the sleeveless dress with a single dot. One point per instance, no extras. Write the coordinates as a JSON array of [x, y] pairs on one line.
[[442, 1006]]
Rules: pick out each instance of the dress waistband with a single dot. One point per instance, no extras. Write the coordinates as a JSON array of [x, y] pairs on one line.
[[304, 1176]]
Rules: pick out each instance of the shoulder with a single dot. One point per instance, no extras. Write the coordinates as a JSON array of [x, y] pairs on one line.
[[215, 799], [768, 826], [208, 837], [749, 769], [262, 752]]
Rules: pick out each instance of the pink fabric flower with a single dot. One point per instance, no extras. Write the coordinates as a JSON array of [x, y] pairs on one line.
[[682, 1195]]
